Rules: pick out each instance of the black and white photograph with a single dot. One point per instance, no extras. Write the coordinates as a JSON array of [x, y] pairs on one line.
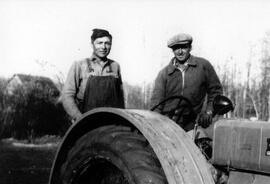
[[134, 92]]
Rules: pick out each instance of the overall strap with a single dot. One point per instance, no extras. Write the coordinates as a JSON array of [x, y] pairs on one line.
[[90, 68]]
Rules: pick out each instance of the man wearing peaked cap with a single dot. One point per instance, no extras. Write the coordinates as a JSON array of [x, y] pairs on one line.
[[180, 39], [191, 77]]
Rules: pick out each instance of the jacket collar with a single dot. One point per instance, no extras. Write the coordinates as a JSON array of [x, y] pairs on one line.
[[191, 62]]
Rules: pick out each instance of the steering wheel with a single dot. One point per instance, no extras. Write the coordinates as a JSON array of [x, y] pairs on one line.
[[182, 108], [177, 112]]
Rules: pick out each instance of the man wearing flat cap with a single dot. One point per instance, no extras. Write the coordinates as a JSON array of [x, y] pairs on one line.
[[191, 77], [95, 81]]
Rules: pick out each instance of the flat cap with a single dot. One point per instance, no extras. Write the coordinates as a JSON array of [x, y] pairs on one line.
[[179, 39]]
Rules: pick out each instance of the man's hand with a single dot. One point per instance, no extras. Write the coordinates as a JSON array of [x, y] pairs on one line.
[[176, 115], [205, 119], [77, 116]]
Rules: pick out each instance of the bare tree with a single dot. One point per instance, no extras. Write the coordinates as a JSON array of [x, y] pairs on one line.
[[265, 76]]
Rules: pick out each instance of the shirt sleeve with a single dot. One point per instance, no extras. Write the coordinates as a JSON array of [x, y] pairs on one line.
[[158, 92], [70, 90], [119, 74], [214, 87], [121, 86]]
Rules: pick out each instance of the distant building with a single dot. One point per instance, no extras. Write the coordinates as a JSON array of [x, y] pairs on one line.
[[22, 81]]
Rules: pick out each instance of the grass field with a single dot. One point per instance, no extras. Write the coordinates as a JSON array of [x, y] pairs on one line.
[[25, 163]]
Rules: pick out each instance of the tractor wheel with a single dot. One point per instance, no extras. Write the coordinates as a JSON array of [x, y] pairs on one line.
[[112, 155]]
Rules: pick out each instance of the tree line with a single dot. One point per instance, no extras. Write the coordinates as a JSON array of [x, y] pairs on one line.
[[31, 109], [251, 95]]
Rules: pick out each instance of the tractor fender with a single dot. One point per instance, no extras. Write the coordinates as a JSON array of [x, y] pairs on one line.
[[181, 160]]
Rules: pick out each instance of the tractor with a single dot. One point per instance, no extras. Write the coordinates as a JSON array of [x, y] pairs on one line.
[[131, 146]]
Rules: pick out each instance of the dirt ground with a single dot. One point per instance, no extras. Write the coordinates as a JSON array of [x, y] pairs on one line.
[[25, 163]]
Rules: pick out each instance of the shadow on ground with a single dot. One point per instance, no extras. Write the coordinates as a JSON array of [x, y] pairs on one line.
[[25, 163]]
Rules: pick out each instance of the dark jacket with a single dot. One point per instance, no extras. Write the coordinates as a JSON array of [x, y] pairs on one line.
[[198, 80]]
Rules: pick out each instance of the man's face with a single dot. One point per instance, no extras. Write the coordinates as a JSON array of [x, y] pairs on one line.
[[182, 52], [102, 46]]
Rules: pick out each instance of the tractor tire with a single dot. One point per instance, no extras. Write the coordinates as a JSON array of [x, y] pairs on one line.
[[112, 155]]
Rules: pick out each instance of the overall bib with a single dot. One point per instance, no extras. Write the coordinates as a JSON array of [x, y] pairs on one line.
[[103, 91]]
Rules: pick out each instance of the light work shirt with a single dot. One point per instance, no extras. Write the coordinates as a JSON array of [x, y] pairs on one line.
[[80, 71]]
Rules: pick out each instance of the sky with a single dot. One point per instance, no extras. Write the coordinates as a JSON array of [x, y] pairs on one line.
[[46, 37]]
